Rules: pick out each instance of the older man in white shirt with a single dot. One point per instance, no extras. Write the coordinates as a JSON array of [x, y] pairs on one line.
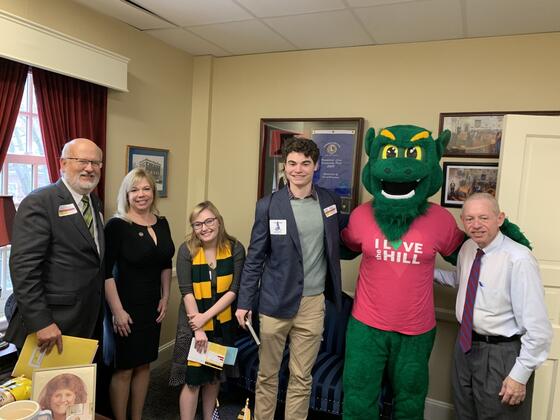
[[505, 332]]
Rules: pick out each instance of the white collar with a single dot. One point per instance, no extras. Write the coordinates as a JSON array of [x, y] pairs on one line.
[[495, 243], [75, 195]]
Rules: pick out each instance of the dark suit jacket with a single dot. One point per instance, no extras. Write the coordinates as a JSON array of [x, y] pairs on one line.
[[274, 265], [56, 269]]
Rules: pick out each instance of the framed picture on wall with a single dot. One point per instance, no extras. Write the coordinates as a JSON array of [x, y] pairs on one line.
[[154, 161], [69, 392], [477, 134], [340, 144], [461, 179]]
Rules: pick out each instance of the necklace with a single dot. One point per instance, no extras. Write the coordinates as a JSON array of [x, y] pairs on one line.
[[212, 264]]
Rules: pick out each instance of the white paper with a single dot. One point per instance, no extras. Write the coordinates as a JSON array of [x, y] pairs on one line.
[[278, 227]]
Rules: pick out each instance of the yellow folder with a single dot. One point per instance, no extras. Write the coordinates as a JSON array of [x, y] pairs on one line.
[[75, 351]]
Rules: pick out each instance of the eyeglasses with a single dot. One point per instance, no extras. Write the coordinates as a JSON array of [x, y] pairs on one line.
[[84, 162], [208, 223]]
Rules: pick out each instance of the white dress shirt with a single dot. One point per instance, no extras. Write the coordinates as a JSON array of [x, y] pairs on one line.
[[78, 199], [509, 299]]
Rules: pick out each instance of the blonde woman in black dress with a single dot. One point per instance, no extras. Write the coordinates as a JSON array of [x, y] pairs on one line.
[[138, 257], [209, 264]]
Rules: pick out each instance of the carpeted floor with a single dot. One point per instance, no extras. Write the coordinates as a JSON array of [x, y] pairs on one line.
[[162, 402]]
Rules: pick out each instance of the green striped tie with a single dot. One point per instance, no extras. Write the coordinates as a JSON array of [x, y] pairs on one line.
[[87, 213]]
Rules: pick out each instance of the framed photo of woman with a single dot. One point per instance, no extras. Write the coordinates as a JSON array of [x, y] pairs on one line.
[[68, 392]]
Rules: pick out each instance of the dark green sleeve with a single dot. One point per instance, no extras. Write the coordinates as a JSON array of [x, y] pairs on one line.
[[238, 260], [184, 273]]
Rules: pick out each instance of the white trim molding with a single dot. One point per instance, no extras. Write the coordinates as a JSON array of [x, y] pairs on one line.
[[30, 43], [165, 353], [438, 410]]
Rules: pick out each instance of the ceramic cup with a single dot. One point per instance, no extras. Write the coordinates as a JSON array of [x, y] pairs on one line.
[[24, 410]]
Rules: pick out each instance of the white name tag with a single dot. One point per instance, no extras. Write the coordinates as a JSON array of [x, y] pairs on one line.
[[277, 227], [66, 210], [330, 211]]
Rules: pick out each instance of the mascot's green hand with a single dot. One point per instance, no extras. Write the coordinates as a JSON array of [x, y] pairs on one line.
[[512, 231]]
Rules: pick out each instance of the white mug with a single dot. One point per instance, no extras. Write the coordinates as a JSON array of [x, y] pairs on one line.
[[24, 410]]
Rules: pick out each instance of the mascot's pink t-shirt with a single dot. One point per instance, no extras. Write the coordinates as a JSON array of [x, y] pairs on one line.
[[394, 291]]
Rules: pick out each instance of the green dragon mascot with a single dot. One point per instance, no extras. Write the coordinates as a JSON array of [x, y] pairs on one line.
[[399, 233]]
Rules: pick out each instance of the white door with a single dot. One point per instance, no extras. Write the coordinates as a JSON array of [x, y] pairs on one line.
[[529, 193]]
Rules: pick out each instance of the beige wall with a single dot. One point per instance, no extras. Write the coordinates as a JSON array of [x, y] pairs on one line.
[[408, 83], [155, 112]]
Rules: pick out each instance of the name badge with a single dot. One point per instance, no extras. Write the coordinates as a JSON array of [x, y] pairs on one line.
[[330, 211], [66, 210], [277, 227]]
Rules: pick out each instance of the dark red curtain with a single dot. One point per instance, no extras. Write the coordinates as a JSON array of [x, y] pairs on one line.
[[12, 84], [69, 108]]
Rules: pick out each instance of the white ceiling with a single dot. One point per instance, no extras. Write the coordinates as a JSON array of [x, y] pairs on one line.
[[233, 27]]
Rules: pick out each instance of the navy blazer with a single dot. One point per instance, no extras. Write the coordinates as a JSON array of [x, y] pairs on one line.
[[274, 266], [57, 272]]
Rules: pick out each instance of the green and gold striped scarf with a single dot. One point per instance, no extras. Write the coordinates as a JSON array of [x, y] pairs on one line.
[[220, 328]]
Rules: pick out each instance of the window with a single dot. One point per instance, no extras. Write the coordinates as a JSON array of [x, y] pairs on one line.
[[24, 169]]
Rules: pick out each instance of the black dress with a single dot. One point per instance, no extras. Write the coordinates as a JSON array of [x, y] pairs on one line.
[[136, 262]]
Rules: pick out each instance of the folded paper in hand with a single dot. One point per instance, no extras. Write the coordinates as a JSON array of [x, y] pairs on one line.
[[216, 355], [252, 331]]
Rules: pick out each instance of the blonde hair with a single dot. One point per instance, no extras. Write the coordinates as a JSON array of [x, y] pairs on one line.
[[223, 239], [130, 180]]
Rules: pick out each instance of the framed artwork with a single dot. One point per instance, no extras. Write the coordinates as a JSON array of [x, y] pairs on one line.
[[67, 391], [477, 134], [340, 144], [154, 161], [461, 179]]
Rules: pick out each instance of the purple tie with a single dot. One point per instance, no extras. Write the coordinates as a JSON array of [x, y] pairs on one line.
[[465, 332]]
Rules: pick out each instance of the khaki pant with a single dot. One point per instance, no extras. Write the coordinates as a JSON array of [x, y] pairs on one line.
[[305, 331]]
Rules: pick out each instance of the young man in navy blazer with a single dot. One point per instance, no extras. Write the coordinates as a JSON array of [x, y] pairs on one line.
[[292, 264]]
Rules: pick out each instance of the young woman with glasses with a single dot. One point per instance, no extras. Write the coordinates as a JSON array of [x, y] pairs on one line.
[[209, 265]]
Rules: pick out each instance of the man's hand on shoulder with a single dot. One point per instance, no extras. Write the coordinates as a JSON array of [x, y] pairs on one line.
[[49, 336], [512, 392], [242, 316]]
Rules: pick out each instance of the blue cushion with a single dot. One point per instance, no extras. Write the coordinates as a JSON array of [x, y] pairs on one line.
[[326, 391]]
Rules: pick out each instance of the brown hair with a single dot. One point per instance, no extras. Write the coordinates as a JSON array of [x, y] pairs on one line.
[[63, 381], [300, 145]]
